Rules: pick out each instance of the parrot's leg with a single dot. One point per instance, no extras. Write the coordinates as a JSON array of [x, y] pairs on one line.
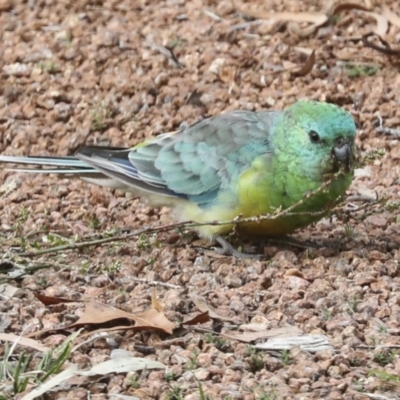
[[228, 250]]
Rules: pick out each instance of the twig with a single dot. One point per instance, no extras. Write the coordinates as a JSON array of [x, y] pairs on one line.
[[384, 47], [212, 15], [245, 25], [192, 224], [363, 198], [375, 396], [154, 283], [168, 52], [379, 346], [387, 131], [25, 271]]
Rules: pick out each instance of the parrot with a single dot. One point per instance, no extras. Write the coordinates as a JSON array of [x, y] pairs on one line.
[[236, 164]]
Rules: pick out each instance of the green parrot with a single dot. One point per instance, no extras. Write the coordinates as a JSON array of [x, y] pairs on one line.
[[240, 163]]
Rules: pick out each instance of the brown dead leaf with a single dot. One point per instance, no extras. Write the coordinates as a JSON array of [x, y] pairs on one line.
[[23, 341], [50, 300], [337, 8], [154, 302], [392, 17], [198, 319], [97, 313], [382, 24], [383, 47], [202, 305], [315, 18], [307, 66]]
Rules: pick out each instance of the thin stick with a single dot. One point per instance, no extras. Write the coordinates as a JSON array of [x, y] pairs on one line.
[[192, 224]]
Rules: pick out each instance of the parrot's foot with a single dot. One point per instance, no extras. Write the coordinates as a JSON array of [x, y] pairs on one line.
[[228, 250]]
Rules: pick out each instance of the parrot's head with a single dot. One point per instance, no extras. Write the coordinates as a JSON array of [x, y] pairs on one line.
[[320, 136]]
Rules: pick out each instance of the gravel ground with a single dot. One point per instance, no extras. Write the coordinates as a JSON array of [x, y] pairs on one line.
[[117, 72]]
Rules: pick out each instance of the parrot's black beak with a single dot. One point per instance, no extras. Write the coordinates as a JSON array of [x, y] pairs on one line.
[[342, 154]]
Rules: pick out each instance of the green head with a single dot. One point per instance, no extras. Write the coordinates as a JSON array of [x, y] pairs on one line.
[[315, 138]]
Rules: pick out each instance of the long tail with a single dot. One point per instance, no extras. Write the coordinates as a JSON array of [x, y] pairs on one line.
[[62, 165], [104, 166], [68, 165]]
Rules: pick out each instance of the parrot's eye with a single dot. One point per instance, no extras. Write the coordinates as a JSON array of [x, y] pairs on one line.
[[314, 137]]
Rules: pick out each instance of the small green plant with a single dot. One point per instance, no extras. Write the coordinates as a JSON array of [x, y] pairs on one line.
[[383, 375], [335, 19], [99, 116], [219, 342], [357, 70], [42, 282], [382, 328], [175, 393], [94, 222], [202, 395], [143, 242], [255, 359], [359, 386], [133, 382], [23, 215], [49, 66], [355, 362], [22, 372], [348, 231], [262, 393], [55, 240], [285, 357], [392, 205], [353, 302], [175, 42], [84, 268], [370, 156], [325, 313], [193, 362], [113, 267], [170, 376], [385, 357]]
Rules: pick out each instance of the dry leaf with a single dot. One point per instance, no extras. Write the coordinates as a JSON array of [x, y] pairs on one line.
[[315, 18], [8, 291], [311, 343], [23, 341], [119, 365], [202, 305], [382, 23], [384, 47], [339, 7], [393, 18], [198, 319], [307, 67], [247, 337], [50, 300], [96, 313], [154, 302]]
